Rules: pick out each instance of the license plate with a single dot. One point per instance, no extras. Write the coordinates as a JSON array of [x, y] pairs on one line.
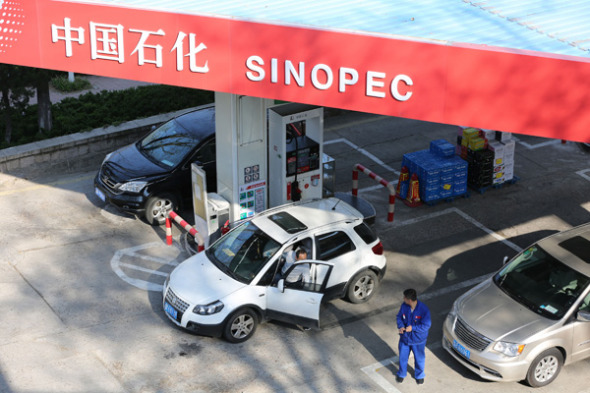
[[170, 310], [100, 194], [461, 349]]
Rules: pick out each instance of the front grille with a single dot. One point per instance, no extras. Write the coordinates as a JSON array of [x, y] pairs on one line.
[[107, 180], [175, 301], [470, 337]]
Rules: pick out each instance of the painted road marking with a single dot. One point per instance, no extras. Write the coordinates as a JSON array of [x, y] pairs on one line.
[[48, 185], [585, 173], [362, 151], [372, 371], [135, 254], [464, 215], [538, 145]]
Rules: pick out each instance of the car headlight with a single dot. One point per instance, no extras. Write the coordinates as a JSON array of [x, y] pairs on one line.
[[106, 158], [509, 349], [133, 186], [453, 313], [208, 309], [166, 282]]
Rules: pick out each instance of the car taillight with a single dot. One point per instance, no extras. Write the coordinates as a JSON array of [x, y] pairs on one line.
[[378, 249]]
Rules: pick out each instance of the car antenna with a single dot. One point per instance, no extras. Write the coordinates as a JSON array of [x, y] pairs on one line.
[[334, 207]]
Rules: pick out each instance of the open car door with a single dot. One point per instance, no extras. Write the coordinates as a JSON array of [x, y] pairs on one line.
[[296, 297]]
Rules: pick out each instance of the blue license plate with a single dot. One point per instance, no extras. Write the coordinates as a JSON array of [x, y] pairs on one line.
[[461, 349], [170, 310], [100, 194]]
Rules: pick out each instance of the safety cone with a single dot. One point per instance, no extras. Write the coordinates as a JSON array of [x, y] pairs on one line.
[[413, 198], [403, 183]]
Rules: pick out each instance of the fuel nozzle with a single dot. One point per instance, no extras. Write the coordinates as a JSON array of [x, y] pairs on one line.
[[295, 192]]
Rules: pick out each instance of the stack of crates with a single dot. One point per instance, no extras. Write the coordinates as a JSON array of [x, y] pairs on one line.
[[441, 174], [481, 168]]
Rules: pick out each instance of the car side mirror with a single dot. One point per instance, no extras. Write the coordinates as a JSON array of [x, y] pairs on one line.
[[583, 316], [281, 285], [505, 260]]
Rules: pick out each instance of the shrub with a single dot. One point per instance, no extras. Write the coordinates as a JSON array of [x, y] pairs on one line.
[[94, 110]]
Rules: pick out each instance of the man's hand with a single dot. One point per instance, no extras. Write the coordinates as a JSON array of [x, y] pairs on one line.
[[402, 330], [409, 328]]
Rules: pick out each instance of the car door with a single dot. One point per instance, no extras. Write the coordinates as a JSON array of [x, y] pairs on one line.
[[337, 247], [298, 301], [581, 333]]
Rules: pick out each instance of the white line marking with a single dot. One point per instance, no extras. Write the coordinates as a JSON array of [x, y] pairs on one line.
[[116, 265], [372, 370], [143, 269], [538, 145], [362, 151], [583, 174], [467, 217]]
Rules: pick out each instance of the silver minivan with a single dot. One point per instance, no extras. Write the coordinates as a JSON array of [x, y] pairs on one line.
[[531, 317]]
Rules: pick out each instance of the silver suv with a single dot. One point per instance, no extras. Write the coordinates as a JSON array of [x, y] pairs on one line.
[[531, 317]]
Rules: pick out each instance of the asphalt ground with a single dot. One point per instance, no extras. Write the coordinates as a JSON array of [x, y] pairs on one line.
[[81, 310]]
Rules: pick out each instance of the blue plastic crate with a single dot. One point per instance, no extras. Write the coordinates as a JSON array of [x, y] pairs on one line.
[[459, 190], [446, 193]]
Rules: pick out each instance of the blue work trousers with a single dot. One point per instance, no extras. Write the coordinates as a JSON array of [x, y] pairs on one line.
[[419, 359]]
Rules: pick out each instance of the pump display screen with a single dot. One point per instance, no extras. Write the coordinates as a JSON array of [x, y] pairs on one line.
[[304, 157]]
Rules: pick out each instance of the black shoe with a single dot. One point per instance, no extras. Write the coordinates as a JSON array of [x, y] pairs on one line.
[[399, 379], [420, 381]]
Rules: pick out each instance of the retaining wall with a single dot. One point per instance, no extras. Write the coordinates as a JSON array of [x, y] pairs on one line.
[[78, 150]]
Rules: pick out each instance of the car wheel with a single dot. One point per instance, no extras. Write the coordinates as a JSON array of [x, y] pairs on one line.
[[545, 368], [362, 286], [240, 326], [158, 207]]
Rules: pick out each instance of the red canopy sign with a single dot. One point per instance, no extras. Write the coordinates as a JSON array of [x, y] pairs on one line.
[[521, 92]]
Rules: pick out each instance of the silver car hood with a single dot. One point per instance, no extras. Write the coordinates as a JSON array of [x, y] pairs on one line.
[[198, 281], [494, 314]]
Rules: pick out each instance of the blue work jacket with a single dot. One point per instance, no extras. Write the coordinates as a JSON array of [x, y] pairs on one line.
[[420, 321]]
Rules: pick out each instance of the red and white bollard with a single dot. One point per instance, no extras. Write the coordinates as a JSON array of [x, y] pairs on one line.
[[192, 231], [355, 184], [168, 232]]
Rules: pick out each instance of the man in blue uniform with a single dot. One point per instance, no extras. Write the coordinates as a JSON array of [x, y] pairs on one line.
[[413, 323]]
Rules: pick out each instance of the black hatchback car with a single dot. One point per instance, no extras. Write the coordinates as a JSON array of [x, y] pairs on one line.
[[152, 176]]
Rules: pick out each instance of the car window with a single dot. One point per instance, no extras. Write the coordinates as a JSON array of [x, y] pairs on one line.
[[269, 276], [585, 306], [539, 281], [332, 245], [365, 233], [243, 252], [307, 276], [206, 153], [167, 145]]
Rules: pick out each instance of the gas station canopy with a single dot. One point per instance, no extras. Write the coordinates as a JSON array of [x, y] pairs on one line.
[[519, 67]]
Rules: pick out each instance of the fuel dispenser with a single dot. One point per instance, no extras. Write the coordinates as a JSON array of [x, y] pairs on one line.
[[267, 155], [295, 153]]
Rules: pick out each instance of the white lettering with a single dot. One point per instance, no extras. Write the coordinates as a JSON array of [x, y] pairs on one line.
[[290, 70], [395, 84], [322, 77], [256, 73], [371, 83], [314, 77], [274, 73], [343, 81]]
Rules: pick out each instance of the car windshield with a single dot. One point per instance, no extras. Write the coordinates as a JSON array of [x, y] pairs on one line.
[[243, 252], [168, 144], [542, 283]]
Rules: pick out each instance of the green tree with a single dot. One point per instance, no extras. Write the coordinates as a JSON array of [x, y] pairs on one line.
[[39, 78], [15, 95]]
